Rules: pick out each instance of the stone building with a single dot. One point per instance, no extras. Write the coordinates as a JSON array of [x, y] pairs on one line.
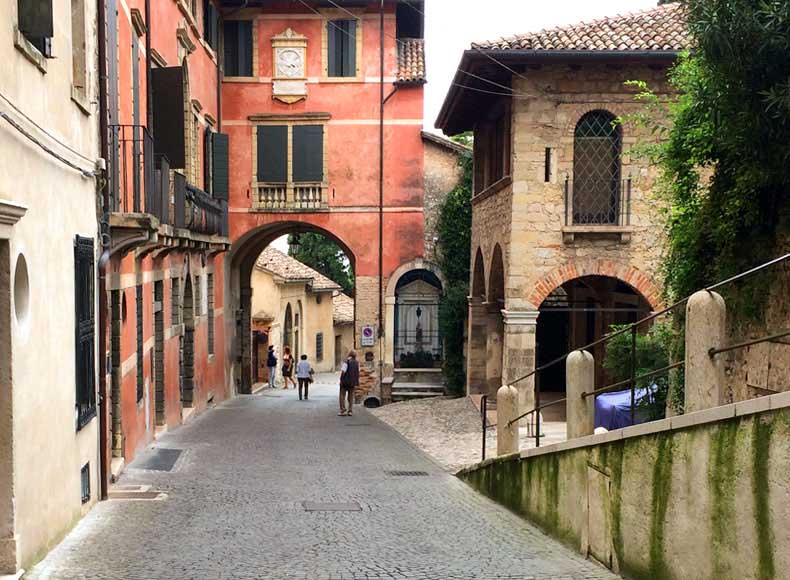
[[294, 306], [49, 245], [567, 230]]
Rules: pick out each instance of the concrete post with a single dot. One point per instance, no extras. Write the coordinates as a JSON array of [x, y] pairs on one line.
[[506, 411], [580, 413], [495, 329], [706, 316], [519, 356]]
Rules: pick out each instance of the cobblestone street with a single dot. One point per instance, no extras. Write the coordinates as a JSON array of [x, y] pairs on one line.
[[234, 507]]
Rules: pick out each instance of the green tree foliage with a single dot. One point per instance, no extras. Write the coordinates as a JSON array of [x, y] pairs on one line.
[[725, 161], [455, 237], [326, 257]]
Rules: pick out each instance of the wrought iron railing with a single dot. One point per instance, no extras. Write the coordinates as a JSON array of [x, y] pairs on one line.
[[634, 380], [598, 202], [418, 349], [290, 196], [196, 210]]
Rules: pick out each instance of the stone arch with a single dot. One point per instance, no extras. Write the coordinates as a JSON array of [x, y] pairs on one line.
[[478, 289], [239, 263], [495, 322], [418, 264], [631, 275]]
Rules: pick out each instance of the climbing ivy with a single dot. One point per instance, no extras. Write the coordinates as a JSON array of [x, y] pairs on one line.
[[724, 160], [454, 254]]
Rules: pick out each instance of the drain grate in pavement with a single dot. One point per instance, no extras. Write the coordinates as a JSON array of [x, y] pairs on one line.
[[137, 495], [356, 425], [315, 506], [398, 473], [160, 459]]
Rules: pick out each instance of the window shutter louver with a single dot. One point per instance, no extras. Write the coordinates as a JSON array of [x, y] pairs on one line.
[[332, 49], [220, 169], [308, 153], [245, 48], [272, 153], [35, 18], [168, 95], [231, 34], [350, 48], [84, 330]]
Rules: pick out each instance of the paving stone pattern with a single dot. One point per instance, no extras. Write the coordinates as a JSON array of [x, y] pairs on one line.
[[235, 508]]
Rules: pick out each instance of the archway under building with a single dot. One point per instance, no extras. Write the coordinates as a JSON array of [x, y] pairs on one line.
[[477, 329], [576, 313], [240, 263], [495, 322]]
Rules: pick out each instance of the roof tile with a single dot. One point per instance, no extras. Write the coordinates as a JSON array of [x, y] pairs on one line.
[[282, 265], [411, 60]]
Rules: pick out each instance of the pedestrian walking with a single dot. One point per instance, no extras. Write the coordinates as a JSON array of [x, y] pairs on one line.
[[288, 368], [304, 374], [349, 381], [271, 364]]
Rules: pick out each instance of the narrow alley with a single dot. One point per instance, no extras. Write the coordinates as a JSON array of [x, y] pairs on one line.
[[238, 498]]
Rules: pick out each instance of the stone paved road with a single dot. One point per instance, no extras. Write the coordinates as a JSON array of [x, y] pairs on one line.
[[234, 508]]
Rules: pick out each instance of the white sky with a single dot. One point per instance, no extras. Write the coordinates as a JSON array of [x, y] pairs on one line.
[[452, 25]]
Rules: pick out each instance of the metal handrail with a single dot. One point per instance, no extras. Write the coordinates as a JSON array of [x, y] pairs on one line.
[[632, 328]]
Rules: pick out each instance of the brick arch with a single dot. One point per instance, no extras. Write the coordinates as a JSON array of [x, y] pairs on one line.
[[632, 276]]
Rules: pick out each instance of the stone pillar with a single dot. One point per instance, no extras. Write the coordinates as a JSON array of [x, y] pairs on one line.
[[706, 317], [580, 378], [495, 329], [506, 411], [476, 348], [519, 355]]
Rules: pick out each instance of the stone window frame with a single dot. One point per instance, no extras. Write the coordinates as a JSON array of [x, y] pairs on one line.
[[327, 15]]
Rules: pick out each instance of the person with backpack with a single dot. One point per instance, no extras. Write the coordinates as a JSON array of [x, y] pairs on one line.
[[304, 374], [271, 364], [288, 368], [349, 381]]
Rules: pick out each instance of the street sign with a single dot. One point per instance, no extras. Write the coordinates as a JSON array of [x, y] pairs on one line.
[[368, 336]]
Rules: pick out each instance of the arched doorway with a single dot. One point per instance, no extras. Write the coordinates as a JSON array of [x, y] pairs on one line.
[[577, 313], [477, 330], [187, 350], [240, 262], [417, 340], [495, 333], [288, 328]]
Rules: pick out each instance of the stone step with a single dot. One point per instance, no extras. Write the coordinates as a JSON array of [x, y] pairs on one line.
[[408, 395], [421, 387], [423, 376]]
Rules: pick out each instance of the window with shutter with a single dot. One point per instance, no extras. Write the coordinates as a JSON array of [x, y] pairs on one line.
[[272, 153], [220, 166], [139, 310], [167, 86], [341, 48], [208, 161], [308, 153], [238, 48], [36, 24], [210, 24], [84, 331]]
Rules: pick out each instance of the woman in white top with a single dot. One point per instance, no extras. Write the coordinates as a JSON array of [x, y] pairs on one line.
[[304, 374]]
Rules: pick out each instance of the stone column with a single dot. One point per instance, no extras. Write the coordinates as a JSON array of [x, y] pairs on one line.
[[506, 411], [519, 354], [580, 373], [706, 316], [494, 354], [476, 348]]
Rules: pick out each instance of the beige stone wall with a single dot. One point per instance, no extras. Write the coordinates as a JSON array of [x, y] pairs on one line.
[[540, 259], [698, 496], [60, 194], [492, 221], [442, 174], [346, 342]]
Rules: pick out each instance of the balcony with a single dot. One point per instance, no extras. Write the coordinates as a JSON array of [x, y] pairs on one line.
[[153, 207], [596, 207], [290, 197]]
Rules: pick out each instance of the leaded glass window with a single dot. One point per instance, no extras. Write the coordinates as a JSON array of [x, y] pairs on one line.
[[596, 169]]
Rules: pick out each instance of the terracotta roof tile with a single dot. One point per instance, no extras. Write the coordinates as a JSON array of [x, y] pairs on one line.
[[343, 309], [661, 28], [275, 262], [411, 60]]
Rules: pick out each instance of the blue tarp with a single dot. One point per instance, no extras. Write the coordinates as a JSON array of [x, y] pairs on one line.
[[613, 410]]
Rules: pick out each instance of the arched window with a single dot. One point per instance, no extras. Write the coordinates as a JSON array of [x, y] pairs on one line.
[[596, 169]]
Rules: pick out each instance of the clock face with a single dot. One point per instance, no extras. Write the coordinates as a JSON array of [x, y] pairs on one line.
[[290, 63]]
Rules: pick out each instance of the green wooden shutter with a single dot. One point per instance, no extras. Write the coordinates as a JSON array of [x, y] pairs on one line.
[[333, 47], [272, 153], [231, 35], [350, 49], [245, 48], [219, 152], [167, 86], [308, 154], [35, 18]]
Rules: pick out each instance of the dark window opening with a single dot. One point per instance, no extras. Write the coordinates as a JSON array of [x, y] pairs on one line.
[[342, 48], [36, 24], [211, 24], [319, 346], [409, 20], [85, 330], [547, 166], [210, 284], [238, 48], [175, 301], [85, 483], [492, 151], [139, 310]]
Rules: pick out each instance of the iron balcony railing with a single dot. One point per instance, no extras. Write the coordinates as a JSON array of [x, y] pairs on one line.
[[196, 210], [597, 202], [134, 184]]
